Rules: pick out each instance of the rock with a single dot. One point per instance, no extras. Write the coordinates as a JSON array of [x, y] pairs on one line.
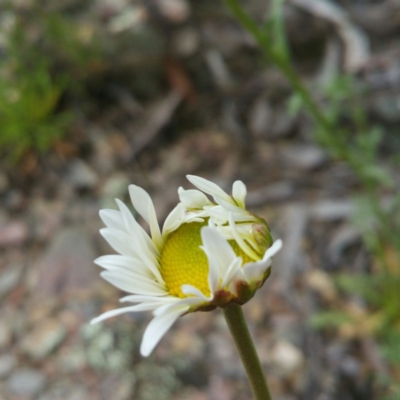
[[10, 278], [7, 363], [192, 394], [293, 224], [65, 391], [222, 389], [175, 11], [14, 200], [287, 356], [67, 266], [45, 217], [116, 186], [3, 391], [131, 18], [223, 353], [187, 342], [387, 107], [103, 154], [110, 7], [81, 176], [193, 373], [276, 192], [283, 124], [342, 239], [260, 117], [332, 210], [5, 333], [26, 382], [305, 157], [322, 283], [114, 386], [13, 233], [350, 367], [335, 353], [44, 339], [71, 359], [186, 42]]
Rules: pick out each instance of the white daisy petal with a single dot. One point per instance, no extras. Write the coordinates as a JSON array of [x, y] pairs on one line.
[[226, 231], [136, 275], [254, 271], [145, 207], [193, 291], [117, 260], [125, 244], [193, 198], [243, 245], [174, 220], [276, 246], [140, 200], [232, 271], [231, 207], [191, 218], [211, 223], [188, 301], [137, 298], [141, 242], [112, 219], [154, 227], [220, 214], [133, 227], [134, 285], [209, 188], [239, 192], [217, 248], [157, 328], [213, 277], [244, 218], [119, 241], [113, 261], [250, 240], [118, 311]]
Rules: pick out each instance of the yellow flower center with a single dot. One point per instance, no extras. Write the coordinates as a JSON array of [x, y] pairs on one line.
[[183, 262]]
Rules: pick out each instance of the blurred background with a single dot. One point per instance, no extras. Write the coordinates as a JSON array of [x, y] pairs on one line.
[[98, 94]]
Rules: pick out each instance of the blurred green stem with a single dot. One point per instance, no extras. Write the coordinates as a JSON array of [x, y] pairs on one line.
[[282, 62], [329, 134], [241, 335]]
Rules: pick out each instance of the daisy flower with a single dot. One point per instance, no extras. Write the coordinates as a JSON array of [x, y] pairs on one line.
[[210, 252]]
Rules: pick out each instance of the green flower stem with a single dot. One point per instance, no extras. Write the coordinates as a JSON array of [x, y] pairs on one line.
[[241, 335]]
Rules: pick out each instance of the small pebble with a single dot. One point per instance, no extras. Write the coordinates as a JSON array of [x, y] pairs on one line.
[[5, 333], [287, 356], [13, 233], [305, 157], [9, 279], [44, 339], [26, 382], [81, 176], [7, 363]]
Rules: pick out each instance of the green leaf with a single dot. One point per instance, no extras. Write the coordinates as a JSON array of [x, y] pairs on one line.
[[329, 319]]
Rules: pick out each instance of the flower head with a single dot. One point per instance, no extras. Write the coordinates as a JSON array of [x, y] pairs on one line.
[[210, 252]]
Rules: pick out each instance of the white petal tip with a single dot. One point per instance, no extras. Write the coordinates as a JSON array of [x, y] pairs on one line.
[[277, 245], [145, 352]]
